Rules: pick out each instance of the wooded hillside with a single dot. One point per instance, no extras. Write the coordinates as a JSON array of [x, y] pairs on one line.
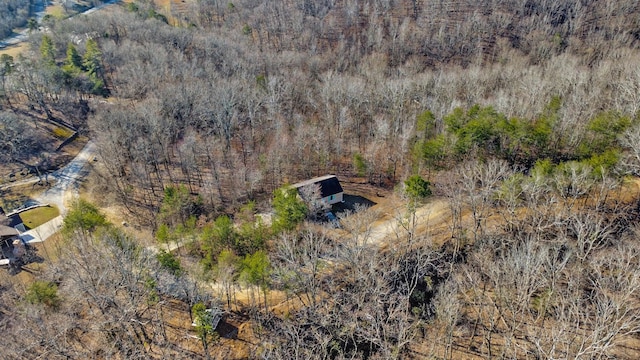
[[502, 136], [13, 13]]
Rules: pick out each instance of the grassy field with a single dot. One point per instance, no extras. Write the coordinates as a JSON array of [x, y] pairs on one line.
[[56, 11], [15, 50], [38, 216], [61, 132]]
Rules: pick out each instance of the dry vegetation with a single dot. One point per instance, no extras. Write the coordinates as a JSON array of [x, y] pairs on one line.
[[523, 115], [13, 14]]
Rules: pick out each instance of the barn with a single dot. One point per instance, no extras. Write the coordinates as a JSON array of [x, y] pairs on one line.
[[331, 191]]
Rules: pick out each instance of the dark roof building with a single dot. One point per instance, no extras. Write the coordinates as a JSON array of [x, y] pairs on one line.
[[330, 189], [7, 232]]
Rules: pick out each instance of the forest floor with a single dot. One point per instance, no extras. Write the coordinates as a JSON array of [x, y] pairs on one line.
[[238, 338], [432, 218]]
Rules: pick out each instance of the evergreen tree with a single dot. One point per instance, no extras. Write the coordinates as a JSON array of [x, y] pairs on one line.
[[83, 216], [255, 271], [47, 51], [289, 209], [92, 59], [92, 63], [73, 59]]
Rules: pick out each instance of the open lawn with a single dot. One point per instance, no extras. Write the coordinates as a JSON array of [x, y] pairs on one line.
[[38, 216], [56, 11]]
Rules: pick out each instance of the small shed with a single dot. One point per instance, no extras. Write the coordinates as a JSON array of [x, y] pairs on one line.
[[331, 191]]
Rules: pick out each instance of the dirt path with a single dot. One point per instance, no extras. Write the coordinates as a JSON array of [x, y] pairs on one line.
[[431, 214], [27, 181]]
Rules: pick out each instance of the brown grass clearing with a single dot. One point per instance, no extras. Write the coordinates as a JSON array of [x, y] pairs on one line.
[[95, 190], [15, 196], [15, 50], [57, 11], [45, 133]]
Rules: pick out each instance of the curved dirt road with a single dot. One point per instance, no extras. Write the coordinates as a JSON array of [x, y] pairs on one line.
[[430, 214]]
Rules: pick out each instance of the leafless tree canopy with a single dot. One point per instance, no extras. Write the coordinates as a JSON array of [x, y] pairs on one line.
[[523, 115]]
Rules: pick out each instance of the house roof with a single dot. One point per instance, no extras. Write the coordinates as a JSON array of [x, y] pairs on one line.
[[6, 231], [11, 221], [329, 185], [216, 317]]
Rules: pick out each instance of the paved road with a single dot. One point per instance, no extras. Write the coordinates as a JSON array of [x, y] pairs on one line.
[[66, 188], [67, 178], [42, 232], [105, 4]]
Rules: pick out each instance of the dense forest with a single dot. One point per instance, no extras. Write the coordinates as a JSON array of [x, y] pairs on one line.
[[518, 120], [13, 14]]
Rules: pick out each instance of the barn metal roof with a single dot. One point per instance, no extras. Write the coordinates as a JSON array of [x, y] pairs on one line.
[[329, 185]]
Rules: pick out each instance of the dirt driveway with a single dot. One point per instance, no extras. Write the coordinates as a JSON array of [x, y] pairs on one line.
[[390, 210]]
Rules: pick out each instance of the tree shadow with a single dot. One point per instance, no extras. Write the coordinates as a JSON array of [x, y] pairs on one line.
[[15, 220], [17, 264], [227, 330], [351, 202]]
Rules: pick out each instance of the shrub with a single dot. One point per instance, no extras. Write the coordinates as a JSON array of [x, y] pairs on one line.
[[359, 164], [169, 262], [83, 216], [43, 292], [417, 188]]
